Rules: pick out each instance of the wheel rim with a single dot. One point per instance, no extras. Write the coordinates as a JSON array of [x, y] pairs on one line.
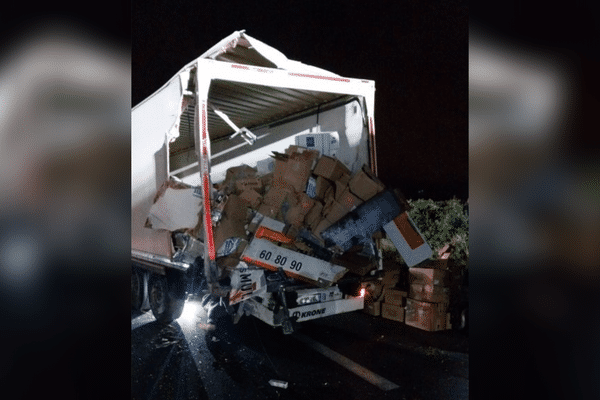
[[157, 296]]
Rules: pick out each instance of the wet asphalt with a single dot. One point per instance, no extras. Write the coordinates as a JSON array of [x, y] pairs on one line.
[[184, 360]]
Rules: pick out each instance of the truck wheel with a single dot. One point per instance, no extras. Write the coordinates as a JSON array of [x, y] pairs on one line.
[[137, 289], [166, 298]]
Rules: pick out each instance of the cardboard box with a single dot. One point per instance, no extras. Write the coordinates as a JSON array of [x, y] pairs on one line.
[[395, 297], [327, 143], [265, 210], [277, 195], [340, 185], [425, 316], [330, 168], [335, 211], [251, 198], [407, 239], [239, 172], [390, 278], [235, 208], [298, 168], [248, 183], [365, 185], [429, 293], [428, 276], [313, 217], [321, 226], [393, 312], [372, 308], [228, 228], [321, 187], [348, 200], [297, 212]]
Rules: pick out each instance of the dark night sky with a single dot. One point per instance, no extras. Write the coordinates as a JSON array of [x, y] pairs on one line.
[[416, 51]]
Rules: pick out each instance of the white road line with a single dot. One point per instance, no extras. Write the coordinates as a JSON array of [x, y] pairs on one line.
[[350, 365]]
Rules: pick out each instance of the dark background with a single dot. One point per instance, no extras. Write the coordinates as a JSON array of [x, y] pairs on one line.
[[415, 51]]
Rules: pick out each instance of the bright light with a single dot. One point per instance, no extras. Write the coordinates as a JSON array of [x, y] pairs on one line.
[[190, 312], [363, 291]]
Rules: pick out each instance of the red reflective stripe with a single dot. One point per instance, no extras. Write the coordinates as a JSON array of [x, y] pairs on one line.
[[330, 78], [206, 189], [204, 125], [207, 219]]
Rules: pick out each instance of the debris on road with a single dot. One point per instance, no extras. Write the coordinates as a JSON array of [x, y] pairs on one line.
[[279, 384]]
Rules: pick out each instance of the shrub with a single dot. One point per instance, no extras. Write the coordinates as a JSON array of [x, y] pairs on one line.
[[441, 222]]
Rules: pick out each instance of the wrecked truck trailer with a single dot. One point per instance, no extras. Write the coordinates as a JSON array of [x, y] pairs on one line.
[[246, 167]]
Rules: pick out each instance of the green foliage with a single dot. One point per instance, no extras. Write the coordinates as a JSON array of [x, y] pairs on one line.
[[440, 222], [443, 222]]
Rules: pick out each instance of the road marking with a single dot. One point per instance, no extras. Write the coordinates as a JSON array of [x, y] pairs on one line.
[[350, 365]]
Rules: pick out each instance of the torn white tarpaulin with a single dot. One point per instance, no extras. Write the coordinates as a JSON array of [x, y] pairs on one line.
[[175, 209], [246, 282]]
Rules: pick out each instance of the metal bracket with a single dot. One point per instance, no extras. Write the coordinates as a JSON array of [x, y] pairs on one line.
[[248, 136]]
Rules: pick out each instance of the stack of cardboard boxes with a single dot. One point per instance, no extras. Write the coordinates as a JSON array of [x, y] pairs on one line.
[[425, 304], [428, 299], [377, 289], [394, 305], [304, 194]]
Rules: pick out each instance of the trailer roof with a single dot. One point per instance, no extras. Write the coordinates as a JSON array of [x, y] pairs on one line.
[[247, 105]]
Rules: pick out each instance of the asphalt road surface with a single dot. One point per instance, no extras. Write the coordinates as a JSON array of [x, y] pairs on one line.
[[347, 356]]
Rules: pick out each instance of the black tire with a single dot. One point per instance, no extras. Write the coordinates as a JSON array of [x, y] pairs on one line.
[[167, 297], [137, 289]]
